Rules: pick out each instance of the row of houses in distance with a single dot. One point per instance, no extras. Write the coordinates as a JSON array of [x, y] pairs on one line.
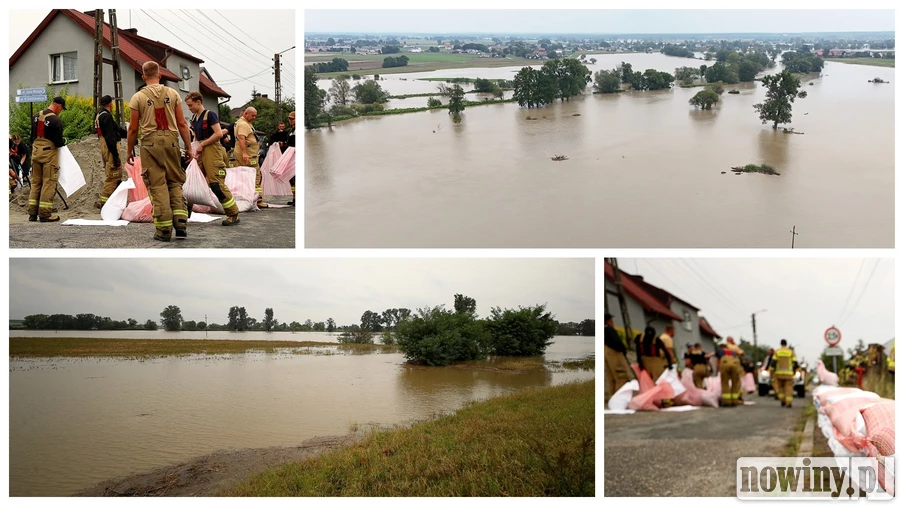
[[649, 305]]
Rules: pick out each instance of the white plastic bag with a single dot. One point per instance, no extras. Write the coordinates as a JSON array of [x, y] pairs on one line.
[[70, 176], [622, 397], [114, 207], [671, 376]]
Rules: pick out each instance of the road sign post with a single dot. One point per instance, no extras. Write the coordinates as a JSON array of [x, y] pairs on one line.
[[832, 338]]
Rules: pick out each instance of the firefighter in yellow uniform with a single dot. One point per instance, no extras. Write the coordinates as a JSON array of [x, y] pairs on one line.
[[737, 352], [246, 149], [784, 373], [211, 156], [614, 358], [46, 139], [730, 376], [156, 113], [109, 134]]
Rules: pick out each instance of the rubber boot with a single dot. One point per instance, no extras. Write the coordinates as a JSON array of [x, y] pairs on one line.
[[181, 233], [49, 219], [32, 217], [231, 221]]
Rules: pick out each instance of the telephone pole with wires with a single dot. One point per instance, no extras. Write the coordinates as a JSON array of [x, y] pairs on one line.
[[277, 68], [794, 234]]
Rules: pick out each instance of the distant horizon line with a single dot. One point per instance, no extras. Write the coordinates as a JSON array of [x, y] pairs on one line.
[[595, 33]]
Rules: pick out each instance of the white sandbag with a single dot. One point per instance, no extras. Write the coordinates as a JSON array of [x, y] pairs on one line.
[[71, 179], [671, 376], [84, 222], [196, 189], [622, 397], [619, 412], [202, 218], [117, 202]]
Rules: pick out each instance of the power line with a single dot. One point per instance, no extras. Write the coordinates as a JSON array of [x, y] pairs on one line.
[[862, 264], [690, 261], [223, 67], [219, 36], [861, 294], [702, 280], [271, 52]]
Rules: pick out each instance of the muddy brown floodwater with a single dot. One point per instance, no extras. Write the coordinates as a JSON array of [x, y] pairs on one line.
[[644, 169], [76, 422]]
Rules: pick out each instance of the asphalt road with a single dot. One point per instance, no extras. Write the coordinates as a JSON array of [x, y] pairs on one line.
[[267, 228], [693, 453]]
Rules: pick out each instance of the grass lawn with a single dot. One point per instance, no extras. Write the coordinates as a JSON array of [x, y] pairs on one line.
[[539, 442], [28, 347], [874, 62], [418, 62]]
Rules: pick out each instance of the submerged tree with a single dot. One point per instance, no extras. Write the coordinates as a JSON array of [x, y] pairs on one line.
[[340, 91], [457, 100], [704, 99], [269, 322], [783, 89]]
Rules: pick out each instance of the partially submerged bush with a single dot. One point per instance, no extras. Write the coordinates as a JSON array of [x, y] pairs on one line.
[[436, 336], [433, 102], [704, 99], [357, 336], [367, 108], [525, 331]]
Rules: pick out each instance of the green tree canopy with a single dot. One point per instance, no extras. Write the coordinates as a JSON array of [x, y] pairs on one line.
[[783, 89], [171, 318]]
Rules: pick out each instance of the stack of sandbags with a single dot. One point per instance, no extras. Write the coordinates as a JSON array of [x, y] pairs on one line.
[[693, 396]]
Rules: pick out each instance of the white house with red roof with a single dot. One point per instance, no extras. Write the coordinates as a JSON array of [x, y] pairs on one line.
[[60, 52], [650, 305]]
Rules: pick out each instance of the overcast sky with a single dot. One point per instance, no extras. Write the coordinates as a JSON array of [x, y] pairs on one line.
[[596, 21], [212, 38], [802, 297], [296, 289]]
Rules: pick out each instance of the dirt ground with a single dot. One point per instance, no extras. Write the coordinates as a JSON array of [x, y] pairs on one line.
[[216, 473], [269, 228]]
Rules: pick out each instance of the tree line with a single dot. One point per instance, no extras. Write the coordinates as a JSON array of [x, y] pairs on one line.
[[391, 61], [335, 65], [556, 79]]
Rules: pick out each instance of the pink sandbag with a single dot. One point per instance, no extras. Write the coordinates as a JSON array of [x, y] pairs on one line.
[[242, 183], [140, 189], [284, 170], [880, 426], [644, 381], [825, 376], [748, 385], [271, 185], [847, 430], [824, 396], [140, 211], [651, 399], [714, 386], [692, 396], [833, 409]]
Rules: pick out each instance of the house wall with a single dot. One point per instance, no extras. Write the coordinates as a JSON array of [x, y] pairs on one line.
[[174, 63], [62, 35], [639, 318], [687, 331]]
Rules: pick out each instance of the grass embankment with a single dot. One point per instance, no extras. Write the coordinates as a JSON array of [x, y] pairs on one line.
[[534, 443], [33, 347], [874, 62], [793, 443], [407, 110]]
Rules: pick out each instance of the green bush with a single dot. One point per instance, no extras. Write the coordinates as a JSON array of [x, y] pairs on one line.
[[387, 337], [433, 102], [438, 337], [77, 118], [523, 332], [366, 108], [357, 336], [343, 110]]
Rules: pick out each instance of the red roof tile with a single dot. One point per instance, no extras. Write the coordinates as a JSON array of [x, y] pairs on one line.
[[209, 87], [636, 289], [706, 328]]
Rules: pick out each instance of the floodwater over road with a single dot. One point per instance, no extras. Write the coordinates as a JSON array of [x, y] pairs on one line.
[[644, 169], [76, 422]]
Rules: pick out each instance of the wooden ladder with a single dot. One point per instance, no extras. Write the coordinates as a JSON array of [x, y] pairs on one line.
[[99, 60]]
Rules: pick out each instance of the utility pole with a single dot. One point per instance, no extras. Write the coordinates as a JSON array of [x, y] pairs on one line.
[[98, 58], [99, 61], [793, 235], [626, 320], [277, 68], [206, 328], [753, 321]]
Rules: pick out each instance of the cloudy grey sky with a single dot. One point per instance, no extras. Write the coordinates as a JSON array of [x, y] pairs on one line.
[[802, 297], [296, 289], [596, 21], [212, 38]]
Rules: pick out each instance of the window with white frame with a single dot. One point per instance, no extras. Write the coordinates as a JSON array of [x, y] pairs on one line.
[[687, 321], [64, 67]]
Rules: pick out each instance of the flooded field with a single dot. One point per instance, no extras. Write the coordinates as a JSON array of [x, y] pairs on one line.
[[319, 337], [76, 422], [644, 169]]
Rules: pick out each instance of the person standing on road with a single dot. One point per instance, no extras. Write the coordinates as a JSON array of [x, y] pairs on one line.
[[668, 344], [652, 355], [46, 139], [109, 134], [211, 154], [246, 149], [156, 114], [699, 364], [614, 355], [292, 143], [730, 368], [280, 136], [784, 373], [738, 353]]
